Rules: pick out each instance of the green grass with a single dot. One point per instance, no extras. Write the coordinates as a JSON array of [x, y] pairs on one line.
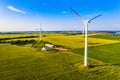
[[27, 63], [30, 64], [107, 53]]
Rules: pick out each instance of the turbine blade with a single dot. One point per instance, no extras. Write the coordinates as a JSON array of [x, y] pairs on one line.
[[95, 17], [77, 14]]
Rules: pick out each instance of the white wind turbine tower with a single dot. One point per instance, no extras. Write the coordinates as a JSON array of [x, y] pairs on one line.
[[85, 22], [40, 32]]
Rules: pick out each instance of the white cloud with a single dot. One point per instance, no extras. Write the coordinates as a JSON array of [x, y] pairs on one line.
[[64, 12], [15, 9]]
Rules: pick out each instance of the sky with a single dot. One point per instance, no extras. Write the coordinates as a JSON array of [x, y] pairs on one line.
[[55, 15]]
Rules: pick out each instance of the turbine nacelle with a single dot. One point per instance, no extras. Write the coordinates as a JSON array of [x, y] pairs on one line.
[[85, 22]]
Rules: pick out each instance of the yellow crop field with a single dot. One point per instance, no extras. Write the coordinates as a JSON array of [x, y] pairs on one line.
[[76, 41]]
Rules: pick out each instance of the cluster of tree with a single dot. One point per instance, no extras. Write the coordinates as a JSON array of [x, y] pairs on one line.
[[72, 33], [22, 42], [115, 34], [38, 44], [19, 42], [19, 37]]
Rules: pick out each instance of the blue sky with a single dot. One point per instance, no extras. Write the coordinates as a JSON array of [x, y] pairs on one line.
[[18, 15]]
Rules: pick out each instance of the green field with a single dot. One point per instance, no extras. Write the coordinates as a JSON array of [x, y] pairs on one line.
[[25, 62]]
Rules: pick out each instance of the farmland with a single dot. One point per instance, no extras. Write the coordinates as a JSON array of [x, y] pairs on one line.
[[25, 62]]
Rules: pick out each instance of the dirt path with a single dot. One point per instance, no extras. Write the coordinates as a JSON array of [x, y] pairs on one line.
[[61, 49]]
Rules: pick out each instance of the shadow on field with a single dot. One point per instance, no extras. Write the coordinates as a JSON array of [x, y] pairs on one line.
[[97, 65]]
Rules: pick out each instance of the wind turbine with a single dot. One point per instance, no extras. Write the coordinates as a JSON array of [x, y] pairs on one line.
[[85, 23], [40, 32]]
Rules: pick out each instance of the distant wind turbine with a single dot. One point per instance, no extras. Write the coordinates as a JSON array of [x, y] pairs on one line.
[[40, 32], [85, 23]]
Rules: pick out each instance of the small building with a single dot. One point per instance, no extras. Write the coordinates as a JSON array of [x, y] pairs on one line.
[[44, 49], [50, 45]]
